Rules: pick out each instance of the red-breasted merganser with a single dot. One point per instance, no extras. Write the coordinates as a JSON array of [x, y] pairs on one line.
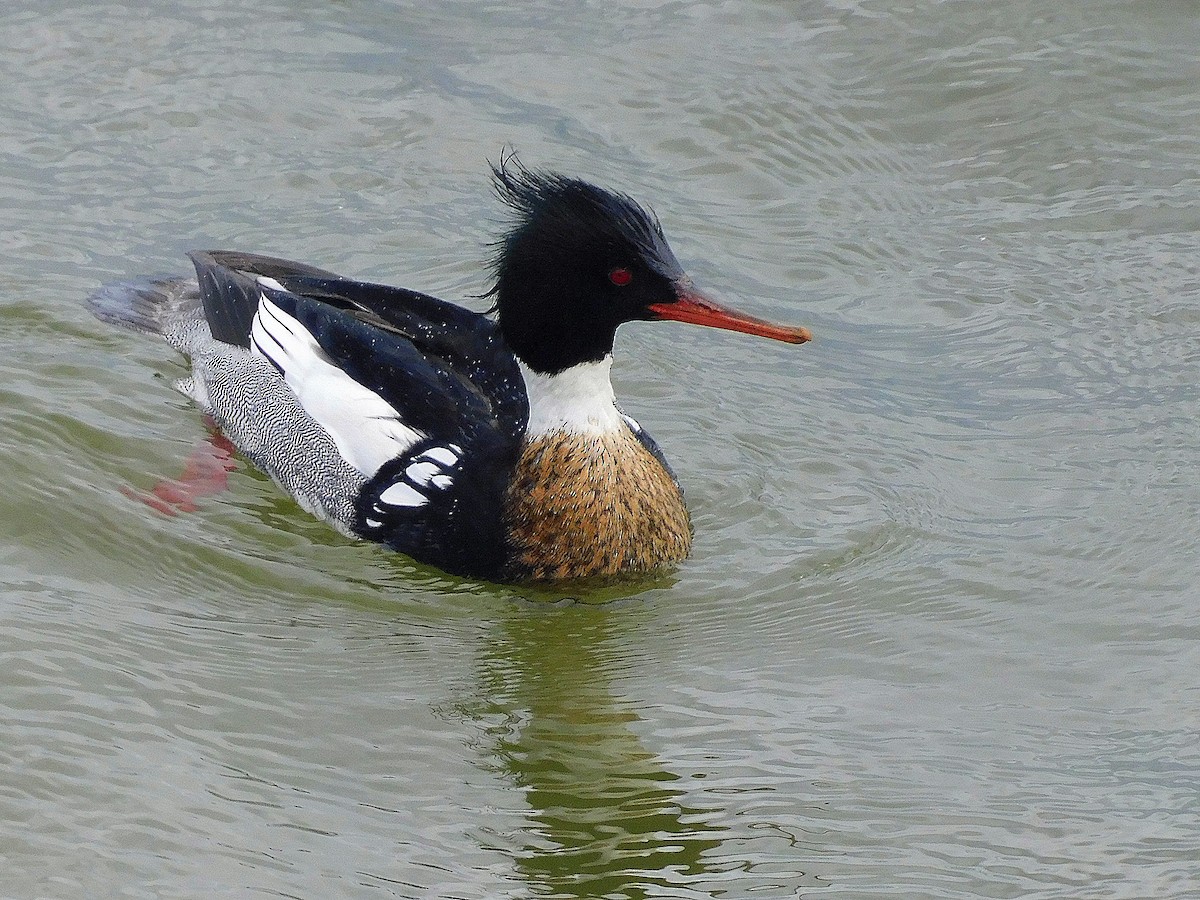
[[493, 449]]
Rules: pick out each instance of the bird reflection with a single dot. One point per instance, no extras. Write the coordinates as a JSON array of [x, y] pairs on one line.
[[606, 818]]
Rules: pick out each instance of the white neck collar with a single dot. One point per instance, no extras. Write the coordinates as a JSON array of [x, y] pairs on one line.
[[578, 399]]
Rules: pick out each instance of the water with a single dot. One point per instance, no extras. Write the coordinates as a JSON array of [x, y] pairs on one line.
[[938, 636]]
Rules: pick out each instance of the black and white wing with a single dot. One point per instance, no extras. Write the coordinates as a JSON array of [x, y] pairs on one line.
[[420, 396]]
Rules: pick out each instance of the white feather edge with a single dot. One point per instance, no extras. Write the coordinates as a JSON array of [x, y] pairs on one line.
[[365, 428]]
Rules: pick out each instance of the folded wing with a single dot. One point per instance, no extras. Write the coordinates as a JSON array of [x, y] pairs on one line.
[[419, 395]]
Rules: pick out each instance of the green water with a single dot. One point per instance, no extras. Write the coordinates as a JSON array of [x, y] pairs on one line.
[[938, 637]]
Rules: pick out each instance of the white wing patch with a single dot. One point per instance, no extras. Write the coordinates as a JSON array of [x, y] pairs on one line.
[[426, 475], [422, 474], [402, 494], [271, 283], [447, 455], [366, 429]]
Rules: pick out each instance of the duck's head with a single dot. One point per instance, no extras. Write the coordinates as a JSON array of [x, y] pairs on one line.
[[579, 261]]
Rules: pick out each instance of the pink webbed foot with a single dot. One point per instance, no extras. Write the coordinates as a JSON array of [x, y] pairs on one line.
[[205, 473]]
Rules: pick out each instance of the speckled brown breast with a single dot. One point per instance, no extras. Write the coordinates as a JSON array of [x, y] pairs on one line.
[[582, 505]]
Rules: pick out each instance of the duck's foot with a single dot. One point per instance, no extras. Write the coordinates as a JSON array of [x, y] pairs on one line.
[[205, 473]]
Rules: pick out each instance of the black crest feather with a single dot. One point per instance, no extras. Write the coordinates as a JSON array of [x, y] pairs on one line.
[[562, 204], [557, 300]]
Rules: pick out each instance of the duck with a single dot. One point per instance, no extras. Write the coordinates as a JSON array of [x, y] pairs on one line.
[[488, 445]]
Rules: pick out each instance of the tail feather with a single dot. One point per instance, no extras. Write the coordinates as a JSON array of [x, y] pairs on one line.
[[150, 304]]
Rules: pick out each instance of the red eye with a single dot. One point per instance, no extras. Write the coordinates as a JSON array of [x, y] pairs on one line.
[[620, 277]]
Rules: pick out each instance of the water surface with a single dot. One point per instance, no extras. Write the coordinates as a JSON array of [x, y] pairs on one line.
[[938, 636]]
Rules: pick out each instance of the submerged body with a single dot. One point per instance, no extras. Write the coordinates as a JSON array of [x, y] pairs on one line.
[[491, 448]]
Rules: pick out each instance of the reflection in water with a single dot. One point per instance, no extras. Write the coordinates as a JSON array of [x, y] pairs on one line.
[[608, 820]]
